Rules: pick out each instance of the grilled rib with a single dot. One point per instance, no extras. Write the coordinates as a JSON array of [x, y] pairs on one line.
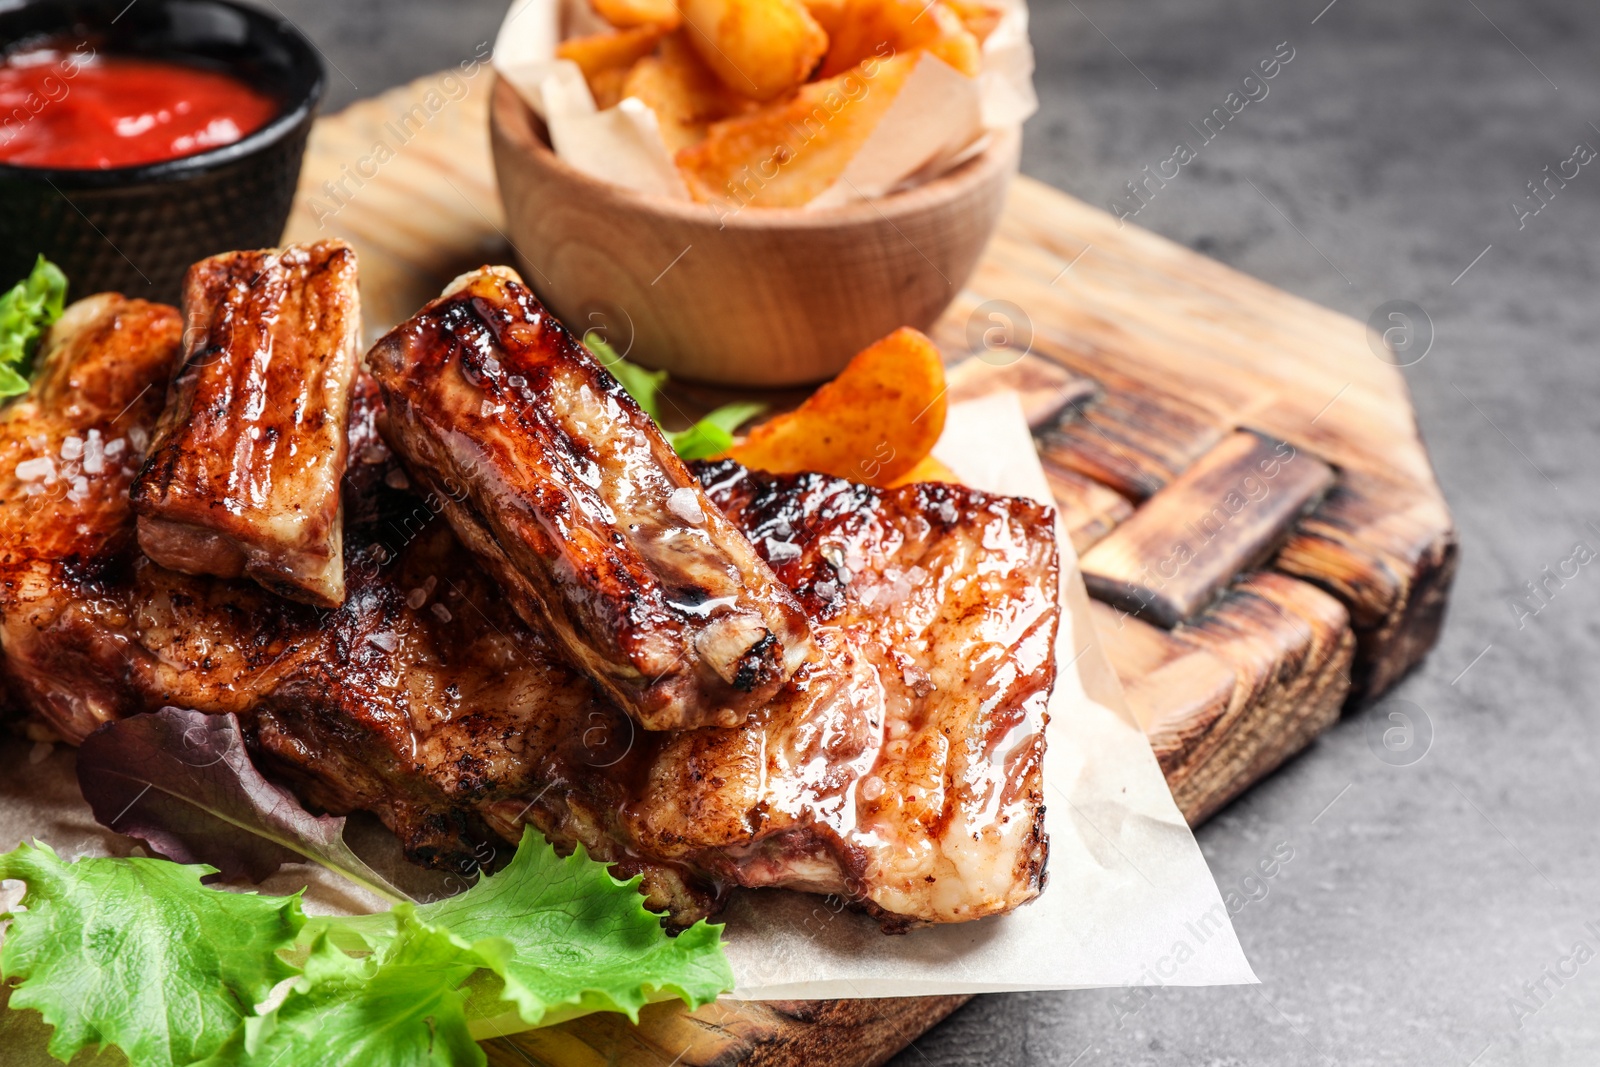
[[908, 780], [92, 629], [243, 477], [68, 450], [569, 494], [904, 776]]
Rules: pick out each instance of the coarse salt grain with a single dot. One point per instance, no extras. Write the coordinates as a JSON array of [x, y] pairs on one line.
[[686, 505], [94, 454], [441, 612], [72, 448], [386, 641], [782, 551], [31, 470]]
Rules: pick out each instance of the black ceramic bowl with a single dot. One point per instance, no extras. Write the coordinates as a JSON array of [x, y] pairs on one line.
[[136, 229]]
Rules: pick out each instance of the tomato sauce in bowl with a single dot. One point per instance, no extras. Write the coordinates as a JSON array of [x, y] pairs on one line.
[[67, 107]]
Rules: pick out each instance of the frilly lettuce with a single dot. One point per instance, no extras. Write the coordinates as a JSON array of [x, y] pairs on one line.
[[139, 954]]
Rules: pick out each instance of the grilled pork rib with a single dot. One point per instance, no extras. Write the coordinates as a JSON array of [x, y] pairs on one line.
[[574, 500], [243, 478], [68, 451], [905, 777], [92, 629], [908, 779]]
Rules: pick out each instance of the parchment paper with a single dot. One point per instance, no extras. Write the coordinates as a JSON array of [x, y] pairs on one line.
[[939, 118], [1129, 897]]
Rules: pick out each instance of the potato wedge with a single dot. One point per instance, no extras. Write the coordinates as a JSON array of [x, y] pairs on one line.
[[874, 423], [929, 470], [627, 14], [890, 27], [605, 58], [785, 154], [979, 19], [828, 13], [759, 48], [607, 85], [683, 92]]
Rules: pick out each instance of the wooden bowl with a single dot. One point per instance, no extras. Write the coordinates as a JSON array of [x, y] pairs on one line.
[[763, 297]]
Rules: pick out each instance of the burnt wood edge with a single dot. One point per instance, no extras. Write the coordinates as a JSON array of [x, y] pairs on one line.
[[779, 1033], [1282, 711], [1388, 652]]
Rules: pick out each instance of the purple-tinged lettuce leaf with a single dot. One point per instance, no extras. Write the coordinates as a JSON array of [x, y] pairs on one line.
[[182, 782]]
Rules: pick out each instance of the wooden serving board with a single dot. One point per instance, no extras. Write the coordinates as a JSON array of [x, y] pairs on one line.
[[1241, 475]]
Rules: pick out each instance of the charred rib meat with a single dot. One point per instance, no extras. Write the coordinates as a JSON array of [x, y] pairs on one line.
[[898, 768], [243, 477], [573, 499]]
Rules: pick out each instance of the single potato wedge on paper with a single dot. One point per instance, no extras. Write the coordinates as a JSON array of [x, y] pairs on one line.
[[787, 154], [882, 28], [683, 92], [759, 48], [875, 423], [627, 14]]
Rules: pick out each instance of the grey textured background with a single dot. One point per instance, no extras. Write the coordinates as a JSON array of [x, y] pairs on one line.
[[1384, 160]]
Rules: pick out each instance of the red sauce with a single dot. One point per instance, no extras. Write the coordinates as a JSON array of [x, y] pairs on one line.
[[71, 108]]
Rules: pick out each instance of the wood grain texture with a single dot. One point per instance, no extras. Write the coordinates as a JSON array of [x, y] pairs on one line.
[[1216, 520], [1141, 356]]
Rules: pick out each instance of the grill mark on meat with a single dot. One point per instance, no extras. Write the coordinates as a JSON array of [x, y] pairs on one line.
[[245, 471], [563, 487]]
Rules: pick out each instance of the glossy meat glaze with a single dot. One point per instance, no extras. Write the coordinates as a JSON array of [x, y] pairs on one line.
[[574, 500], [243, 475], [899, 768]]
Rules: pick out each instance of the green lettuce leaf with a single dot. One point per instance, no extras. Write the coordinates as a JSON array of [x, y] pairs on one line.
[[709, 437], [26, 311], [138, 954], [564, 934], [713, 435], [402, 1005]]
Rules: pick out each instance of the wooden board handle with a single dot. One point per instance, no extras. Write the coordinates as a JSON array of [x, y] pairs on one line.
[[1216, 520]]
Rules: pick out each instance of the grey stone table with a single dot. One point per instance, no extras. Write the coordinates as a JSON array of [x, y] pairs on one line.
[[1434, 913]]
